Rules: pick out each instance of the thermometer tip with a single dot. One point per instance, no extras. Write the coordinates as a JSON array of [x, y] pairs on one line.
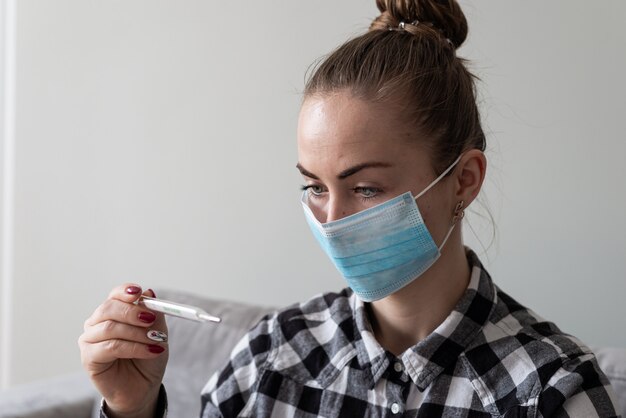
[[209, 318]]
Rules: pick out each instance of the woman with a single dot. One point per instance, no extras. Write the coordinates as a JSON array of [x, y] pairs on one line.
[[390, 147]]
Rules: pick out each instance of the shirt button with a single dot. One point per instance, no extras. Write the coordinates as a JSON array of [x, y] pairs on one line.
[[395, 408], [398, 367]]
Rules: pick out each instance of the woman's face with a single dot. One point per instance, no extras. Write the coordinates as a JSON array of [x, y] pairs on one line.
[[355, 154]]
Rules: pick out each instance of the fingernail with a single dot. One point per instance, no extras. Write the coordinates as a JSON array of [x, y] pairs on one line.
[[147, 317], [156, 349], [155, 335], [133, 290], [152, 292]]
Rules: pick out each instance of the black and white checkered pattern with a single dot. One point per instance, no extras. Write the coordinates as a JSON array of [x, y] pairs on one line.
[[490, 357]]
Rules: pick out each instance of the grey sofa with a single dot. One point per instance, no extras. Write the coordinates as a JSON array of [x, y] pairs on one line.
[[196, 351]]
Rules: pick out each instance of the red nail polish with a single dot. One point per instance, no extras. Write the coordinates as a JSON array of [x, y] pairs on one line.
[[147, 317], [156, 349], [133, 290], [152, 292]]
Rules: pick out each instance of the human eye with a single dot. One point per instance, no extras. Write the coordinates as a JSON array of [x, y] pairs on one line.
[[367, 193], [314, 190]]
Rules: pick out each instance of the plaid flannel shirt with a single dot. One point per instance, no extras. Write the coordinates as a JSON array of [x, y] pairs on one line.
[[490, 357]]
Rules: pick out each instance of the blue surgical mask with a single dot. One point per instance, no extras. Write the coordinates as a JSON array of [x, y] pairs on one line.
[[380, 249]]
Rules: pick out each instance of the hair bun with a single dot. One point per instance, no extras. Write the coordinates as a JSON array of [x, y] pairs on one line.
[[445, 16]]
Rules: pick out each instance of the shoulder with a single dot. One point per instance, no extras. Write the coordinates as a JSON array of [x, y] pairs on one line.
[[320, 308], [309, 342], [297, 327], [513, 329], [518, 355], [287, 323], [296, 342]]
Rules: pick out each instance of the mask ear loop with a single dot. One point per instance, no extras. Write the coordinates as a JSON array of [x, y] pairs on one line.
[[442, 175], [457, 216]]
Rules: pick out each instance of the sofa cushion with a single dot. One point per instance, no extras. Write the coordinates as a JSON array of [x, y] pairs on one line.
[[612, 361], [69, 395], [197, 350]]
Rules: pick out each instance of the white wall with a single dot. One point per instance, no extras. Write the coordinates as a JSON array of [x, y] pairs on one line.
[[155, 142], [7, 181]]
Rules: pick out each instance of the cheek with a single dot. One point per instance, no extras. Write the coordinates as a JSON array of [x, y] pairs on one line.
[[437, 217], [426, 212]]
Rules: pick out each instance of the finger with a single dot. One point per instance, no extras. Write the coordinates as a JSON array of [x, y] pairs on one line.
[[127, 292], [128, 313], [112, 330], [111, 350], [160, 322]]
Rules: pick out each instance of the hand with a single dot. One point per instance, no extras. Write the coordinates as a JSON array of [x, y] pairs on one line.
[[124, 364]]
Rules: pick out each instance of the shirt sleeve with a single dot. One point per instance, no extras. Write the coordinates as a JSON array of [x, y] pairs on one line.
[[161, 411], [230, 389], [578, 389]]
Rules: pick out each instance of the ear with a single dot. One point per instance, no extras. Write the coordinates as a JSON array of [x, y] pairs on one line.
[[470, 175]]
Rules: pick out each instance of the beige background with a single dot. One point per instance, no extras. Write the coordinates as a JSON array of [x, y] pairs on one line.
[[155, 142]]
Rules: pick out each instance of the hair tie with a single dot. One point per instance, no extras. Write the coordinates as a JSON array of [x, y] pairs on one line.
[[402, 27]]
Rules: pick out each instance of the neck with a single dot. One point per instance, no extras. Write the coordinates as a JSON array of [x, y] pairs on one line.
[[406, 317]]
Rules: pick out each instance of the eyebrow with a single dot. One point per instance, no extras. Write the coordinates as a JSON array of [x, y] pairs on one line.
[[347, 172]]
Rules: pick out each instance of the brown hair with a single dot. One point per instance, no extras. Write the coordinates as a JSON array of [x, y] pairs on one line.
[[409, 54]]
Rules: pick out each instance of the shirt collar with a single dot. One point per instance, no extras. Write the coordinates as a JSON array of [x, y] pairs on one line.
[[428, 358]]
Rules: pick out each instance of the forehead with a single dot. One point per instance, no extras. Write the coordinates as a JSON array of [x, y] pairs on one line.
[[344, 130], [338, 117]]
